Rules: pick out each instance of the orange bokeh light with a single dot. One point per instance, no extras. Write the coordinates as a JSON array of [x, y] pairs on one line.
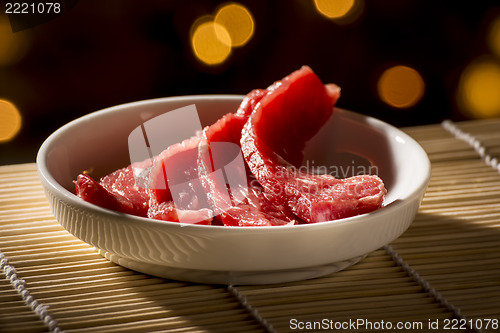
[[401, 86], [478, 91], [10, 121], [340, 11]]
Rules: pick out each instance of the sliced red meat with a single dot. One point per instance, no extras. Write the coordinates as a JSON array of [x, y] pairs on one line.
[[198, 163], [273, 139], [210, 187], [183, 156], [228, 128], [257, 211], [292, 112], [180, 160], [90, 190], [318, 198], [234, 199], [168, 212], [122, 182]]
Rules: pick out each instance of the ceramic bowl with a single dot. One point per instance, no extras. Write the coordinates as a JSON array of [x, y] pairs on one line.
[[348, 144]]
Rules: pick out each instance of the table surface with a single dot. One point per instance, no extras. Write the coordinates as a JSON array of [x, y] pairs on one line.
[[444, 270]]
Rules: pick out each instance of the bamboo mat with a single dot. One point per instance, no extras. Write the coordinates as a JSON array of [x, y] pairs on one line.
[[445, 267]]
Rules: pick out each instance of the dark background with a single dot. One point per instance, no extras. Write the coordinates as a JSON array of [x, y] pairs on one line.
[[103, 53]]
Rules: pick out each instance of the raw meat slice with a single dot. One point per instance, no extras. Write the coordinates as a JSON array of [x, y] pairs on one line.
[[180, 160], [292, 112], [192, 163], [122, 182], [168, 212], [93, 192], [117, 191], [257, 211], [272, 142], [228, 128], [246, 204], [183, 156], [318, 198]]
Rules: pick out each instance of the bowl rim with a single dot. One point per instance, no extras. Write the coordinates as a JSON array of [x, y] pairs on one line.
[[56, 187]]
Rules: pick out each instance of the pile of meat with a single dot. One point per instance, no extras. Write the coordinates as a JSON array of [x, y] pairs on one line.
[[270, 130]]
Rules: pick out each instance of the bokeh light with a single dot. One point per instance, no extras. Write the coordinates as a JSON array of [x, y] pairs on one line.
[[334, 8], [238, 22], [213, 37], [10, 121], [494, 36], [478, 93], [401, 86], [340, 11], [13, 46], [211, 42]]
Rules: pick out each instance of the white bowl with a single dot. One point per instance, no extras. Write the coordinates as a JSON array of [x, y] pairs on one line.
[[232, 255]]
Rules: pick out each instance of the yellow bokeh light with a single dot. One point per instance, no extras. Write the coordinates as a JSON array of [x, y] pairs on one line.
[[494, 36], [340, 11], [10, 121], [479, 89], [211, 42], [13, 46], [213, 37], [238, 22], [334, 8], [401, 86]]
